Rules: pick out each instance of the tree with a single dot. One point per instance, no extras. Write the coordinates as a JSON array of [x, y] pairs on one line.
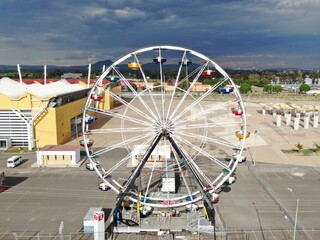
[[317, 146], [245, 88], [304, 88], [134, 86], [277, 88], [299, 146], [268, 88]]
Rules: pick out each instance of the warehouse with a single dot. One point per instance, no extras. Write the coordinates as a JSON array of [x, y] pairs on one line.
[[35, 115]]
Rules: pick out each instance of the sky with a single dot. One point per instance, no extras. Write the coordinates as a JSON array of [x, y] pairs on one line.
[[243, 34]]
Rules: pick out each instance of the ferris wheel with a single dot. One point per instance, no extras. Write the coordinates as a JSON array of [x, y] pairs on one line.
[[175, 117]]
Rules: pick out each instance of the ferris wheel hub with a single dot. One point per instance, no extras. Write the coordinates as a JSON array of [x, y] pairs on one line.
[[164, 127]]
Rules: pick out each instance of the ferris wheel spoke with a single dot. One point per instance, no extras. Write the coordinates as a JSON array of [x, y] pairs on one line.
[[174, 90], [131, 107], [161, 84], [135, 92], [148, 89], [189, 88], [182, 175], [175, 87], [209, 125], [209, 139], [197, 101], [205, 112], [122, 143], [213, 159], [150, 178], [120, 116], [123, 160], [191, 162], [118, 130]]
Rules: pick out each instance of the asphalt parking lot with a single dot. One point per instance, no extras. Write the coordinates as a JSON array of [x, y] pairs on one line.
[[261, 204]]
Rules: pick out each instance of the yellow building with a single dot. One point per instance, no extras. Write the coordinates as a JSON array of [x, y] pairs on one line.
[[35, 115]]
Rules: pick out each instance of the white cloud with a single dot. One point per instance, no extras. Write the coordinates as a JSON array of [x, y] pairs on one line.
[[93, 12], [130, 13], [7, 39]]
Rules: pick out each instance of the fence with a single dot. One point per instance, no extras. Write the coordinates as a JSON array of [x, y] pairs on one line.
[[29, 235]]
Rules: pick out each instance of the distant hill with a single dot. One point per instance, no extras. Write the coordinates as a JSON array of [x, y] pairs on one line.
[[98, 67], [94, 67]]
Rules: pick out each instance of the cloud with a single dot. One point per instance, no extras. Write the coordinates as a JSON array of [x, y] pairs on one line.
[[81, 30]]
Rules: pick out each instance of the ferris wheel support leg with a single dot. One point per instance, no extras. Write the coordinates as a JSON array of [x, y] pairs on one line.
[[193, 174], [131, 180]]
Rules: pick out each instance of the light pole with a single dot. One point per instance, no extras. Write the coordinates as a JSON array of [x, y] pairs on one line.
[[296, 215], [254, 149]]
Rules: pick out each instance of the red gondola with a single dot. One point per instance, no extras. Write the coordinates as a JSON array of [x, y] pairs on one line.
[[96, 97], [89, 143], [237, 111], [208, 73]]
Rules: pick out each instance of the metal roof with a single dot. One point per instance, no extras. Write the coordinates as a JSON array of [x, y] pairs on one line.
[[15, 90]]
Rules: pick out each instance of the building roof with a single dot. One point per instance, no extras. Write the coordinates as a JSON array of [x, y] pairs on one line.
[[15, 90], [60, 148]]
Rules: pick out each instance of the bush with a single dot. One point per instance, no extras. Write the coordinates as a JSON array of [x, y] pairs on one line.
[[273, 88], [304, 88], [245, 88], [299, 146]]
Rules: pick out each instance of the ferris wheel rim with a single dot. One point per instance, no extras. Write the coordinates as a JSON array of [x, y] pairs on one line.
[[142, 50]]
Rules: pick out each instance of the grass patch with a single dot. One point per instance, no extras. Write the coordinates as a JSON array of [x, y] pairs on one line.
[[302, 152], [19, 150], [289, 151]]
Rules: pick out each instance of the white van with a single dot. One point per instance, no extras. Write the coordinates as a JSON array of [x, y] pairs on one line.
[[14, 161]]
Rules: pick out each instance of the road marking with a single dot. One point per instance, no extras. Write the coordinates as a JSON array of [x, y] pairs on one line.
[[289, 176], [63, 175], [307, 234], [15, 201], [289, 231], [272, 234], [243, 176], [254, 234], [266, 176], [75, 175], [277, 175], [4, 234], [21, 234]]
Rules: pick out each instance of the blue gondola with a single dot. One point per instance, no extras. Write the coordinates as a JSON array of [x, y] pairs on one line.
[[226, 90], [89, 120], [113, 78]]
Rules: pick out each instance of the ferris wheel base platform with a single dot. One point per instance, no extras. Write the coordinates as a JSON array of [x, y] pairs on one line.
[[186, 222]]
